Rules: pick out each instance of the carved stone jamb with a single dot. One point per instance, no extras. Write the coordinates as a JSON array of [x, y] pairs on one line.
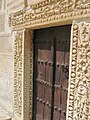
[[23, 74], [79, 85], [28, 74], [18, 73]]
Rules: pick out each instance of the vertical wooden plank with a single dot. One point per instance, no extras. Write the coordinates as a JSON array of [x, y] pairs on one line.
[[62, 58], [44, 56]]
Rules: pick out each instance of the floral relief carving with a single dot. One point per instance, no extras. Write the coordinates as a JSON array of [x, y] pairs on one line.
[[23, 73], [82, 4], [48, 11], [18, 61], [79, 97]]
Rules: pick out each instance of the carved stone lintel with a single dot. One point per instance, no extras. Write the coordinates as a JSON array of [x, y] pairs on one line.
[[49, 11], [79, 92]]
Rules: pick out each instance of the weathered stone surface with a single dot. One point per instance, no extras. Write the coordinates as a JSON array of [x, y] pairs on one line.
[[79, 105], [6, 77], [15, 5], [2, 22], [33, 1]]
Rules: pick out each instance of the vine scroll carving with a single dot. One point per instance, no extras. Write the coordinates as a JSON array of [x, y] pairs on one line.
[[79, 93]]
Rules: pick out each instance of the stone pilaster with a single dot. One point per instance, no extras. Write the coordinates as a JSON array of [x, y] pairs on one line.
[[23, 73], [18, 73], [79, 83]]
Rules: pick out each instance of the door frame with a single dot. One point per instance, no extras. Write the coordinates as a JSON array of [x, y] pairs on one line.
[[22, 29]]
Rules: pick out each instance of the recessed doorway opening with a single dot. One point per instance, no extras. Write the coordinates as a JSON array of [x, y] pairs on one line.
[[50, 72]]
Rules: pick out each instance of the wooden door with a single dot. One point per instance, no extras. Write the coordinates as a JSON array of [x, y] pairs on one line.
[[51, 58]]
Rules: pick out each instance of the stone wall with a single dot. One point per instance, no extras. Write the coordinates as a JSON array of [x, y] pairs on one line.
[[2, 22], [33, 1], [6, 77], [7, 57], [14, 5]]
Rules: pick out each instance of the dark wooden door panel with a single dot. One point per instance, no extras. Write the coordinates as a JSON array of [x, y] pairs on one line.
[[44, 81], [43, 75], [51, 59], [61, 81]]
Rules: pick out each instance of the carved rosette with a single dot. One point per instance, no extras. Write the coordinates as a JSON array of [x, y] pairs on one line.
[[18, 65], [79, 93]]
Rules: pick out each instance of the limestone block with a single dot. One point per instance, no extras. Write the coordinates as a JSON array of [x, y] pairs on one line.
[[0, 4], [2, 22], [33, 1], [6, 77], [14, 5]]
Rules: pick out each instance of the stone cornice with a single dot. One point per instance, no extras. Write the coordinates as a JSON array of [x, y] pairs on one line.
[[48, 12]]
